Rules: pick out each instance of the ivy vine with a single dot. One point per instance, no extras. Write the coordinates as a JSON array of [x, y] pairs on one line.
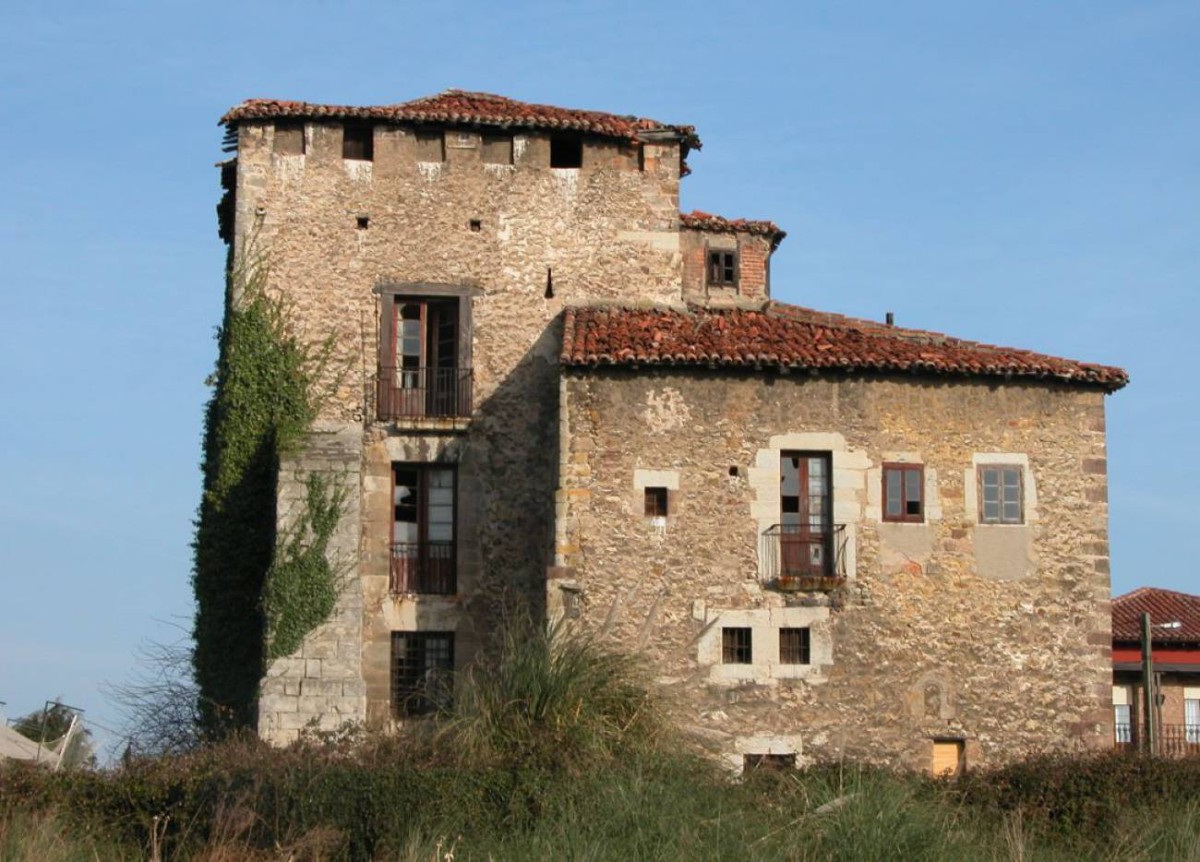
[[253, 598]]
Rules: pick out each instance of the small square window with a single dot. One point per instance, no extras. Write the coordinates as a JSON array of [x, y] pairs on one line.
[[289, 138], [656, 502], [722, 268], [904, 493], [735, 646], [358, 142], [1001, 495], [422, 672], [497, 150], [566, 151], [795, 646]]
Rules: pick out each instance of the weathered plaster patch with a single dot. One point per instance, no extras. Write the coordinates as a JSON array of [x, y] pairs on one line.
[[431, 171], [1003, 552], [358, 170], [665, 411]]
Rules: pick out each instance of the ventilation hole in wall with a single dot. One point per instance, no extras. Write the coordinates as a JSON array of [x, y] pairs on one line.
[[363, 222], [549, 283], [733, 471], [566, 151], [476, 225]]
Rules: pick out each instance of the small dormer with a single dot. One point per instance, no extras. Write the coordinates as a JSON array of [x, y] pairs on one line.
[[726, 259]]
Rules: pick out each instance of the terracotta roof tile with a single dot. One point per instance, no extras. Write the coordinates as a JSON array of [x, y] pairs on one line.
[[462, 108], [697, 220], [791, 337], [1164, 606]]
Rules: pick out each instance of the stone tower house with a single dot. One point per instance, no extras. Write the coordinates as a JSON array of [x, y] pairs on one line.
[[828, 535]]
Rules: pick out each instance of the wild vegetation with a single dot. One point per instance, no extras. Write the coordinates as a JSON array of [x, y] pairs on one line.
[[255, 598], [556, 750]]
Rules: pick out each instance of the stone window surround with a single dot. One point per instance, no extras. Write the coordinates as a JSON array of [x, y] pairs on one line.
[[1029, 501], [873, 510], [643, 479], [849, 479], [764, 625], [762, 744]]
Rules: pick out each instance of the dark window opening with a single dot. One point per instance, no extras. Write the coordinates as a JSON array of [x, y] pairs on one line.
[[904, 492], [497, 150], [549, 283], [363, 222], [795, 646], [476, 225], [722, 268], [736, 646], [656, 502], [750, 762], [431, 146], [422, 672], [1001, 495], [733, 471], [358, 142], [424, 552], [566, 151], [289, 138]]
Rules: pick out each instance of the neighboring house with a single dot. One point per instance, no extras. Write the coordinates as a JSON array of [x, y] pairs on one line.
[[1175, 650], [15, 746], [827, 536]]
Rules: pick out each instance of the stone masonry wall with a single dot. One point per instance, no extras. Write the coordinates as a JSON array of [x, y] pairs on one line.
[[321, 685], [996, 636], [528, 239]]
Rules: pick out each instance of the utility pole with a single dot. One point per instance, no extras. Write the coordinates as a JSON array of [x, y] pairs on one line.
[[1148, 688]]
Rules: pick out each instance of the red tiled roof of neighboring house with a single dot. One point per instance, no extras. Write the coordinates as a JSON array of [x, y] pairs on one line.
[[462, 108], [791, 337], [697, 220], [1164, 606]]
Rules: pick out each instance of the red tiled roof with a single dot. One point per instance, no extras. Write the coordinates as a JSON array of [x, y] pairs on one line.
[[462, 108], [788, 336], [697, 220], [1164, 606]]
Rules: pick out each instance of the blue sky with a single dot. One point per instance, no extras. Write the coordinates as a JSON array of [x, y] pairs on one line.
[[1022, 173]]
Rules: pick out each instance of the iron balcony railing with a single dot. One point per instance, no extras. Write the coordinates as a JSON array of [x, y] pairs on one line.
[[406, 393], [1173, 740], [797, 557], [424, 567]]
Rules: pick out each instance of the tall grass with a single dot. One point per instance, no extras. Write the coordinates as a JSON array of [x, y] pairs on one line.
[[555, 750]]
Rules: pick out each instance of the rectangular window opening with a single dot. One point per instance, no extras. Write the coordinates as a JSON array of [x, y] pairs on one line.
[[289, 138], [948, 757], [358, 142], [566, 151], [1001, 494], [751, 762], [424, 551], [795, 646], [497, 150], [722, 268], [904, 492], [736, 646], [422, 672], [656, 502], [805, 530], [423, 365], [431, 145]]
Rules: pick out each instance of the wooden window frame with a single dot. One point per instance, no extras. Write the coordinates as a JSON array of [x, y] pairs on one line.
[[408, 694], [423, 469], [902, 468], [798, 653], [980, 470], [737, 645], [719, 272]]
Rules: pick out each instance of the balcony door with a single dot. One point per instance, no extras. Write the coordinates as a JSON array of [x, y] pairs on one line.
[[425, 357], [806, 514], [423, 547]]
